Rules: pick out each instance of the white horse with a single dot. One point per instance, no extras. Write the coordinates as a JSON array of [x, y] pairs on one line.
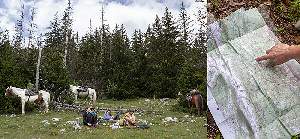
[[91, 93], [42, 98]]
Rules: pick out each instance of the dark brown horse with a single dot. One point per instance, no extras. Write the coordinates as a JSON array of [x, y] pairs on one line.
[[195, 100]]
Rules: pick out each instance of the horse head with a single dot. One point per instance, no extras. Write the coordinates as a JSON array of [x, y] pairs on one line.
[[191, 94], [194, 91], [188, 97], [8, 91]]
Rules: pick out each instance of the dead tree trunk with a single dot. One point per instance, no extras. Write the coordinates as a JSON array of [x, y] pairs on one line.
[[66, 52], [37, 75]]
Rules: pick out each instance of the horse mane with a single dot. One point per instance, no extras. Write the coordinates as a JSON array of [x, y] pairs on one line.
[[17, 91]]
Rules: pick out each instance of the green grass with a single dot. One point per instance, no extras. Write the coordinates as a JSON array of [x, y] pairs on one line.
[[29, 126]]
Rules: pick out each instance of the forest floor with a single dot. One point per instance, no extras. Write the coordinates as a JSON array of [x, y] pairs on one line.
[[277, 21], [282, 26], [30, 125]]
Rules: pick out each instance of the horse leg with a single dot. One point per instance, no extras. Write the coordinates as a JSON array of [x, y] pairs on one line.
[[198, 109], [197, 106], [91, 96], [191, 107], [94, 101], [23, 107], [46, 106], [75, 96], [94, 98]]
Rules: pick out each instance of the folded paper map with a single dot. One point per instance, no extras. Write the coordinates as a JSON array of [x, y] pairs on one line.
[[249, 99]]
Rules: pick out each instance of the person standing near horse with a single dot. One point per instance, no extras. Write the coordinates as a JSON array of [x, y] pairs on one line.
[[42, 98]]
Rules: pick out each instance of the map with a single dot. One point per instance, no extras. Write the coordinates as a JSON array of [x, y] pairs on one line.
[[250, 99]]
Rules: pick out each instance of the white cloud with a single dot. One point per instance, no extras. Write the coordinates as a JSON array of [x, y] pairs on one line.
[[46, 9], [83, 11], [135, 15], [9, 14]]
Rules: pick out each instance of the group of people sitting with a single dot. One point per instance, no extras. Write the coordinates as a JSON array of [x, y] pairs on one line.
[[90, 118]]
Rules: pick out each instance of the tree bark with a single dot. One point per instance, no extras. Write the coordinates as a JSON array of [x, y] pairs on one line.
[[66, 50], [37, 75]]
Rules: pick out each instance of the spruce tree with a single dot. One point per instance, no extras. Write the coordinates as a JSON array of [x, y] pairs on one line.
[[138, 66], [54, 75], [171, 56]]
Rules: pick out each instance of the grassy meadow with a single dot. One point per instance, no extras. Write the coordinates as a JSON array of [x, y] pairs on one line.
[[30, 125]]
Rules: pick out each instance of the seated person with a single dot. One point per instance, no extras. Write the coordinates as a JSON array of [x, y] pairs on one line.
[[90, 117], [107, 116], [30, 90], [129, 119]]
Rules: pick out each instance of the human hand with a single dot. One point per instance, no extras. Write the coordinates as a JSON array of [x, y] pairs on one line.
[[280, 54]]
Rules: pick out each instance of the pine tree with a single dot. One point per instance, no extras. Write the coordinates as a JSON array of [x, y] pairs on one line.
[[55, 35], [88, 53], [200, 47], [185, 31], [9, 69], [138, 66], [121, 57], [9, 75], [106, 64], [171, 56], [187, 78], [154, 55], [54, 75]]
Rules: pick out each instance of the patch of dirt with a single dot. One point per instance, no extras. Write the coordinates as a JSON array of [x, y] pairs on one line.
[[212, 128], [281, 25]]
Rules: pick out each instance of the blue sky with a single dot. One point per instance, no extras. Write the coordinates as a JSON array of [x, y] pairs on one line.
[[134, 14]]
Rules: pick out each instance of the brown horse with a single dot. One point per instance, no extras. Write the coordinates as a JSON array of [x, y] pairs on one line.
[[195, 100]]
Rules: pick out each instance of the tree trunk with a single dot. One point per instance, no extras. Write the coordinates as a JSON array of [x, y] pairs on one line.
[[66, 51], [37, 75]]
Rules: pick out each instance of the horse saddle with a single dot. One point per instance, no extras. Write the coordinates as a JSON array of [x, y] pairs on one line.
[[30, 92], [82, 89]]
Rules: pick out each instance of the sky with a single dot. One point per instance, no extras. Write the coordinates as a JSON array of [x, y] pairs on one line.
[[134, 14]]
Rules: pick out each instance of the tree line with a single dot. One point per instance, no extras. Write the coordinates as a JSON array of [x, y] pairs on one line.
[[169, 57]]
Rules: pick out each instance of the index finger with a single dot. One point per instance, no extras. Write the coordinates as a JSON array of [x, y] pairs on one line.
[[264, 57]]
